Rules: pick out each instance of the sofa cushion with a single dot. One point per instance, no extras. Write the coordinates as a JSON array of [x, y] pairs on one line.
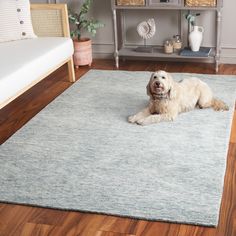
[[23, 62], [15, 20]]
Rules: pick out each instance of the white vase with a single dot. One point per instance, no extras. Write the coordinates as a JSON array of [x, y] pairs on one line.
[[195, 38]]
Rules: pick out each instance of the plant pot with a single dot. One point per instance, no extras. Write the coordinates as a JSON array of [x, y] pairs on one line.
[[83, 52]]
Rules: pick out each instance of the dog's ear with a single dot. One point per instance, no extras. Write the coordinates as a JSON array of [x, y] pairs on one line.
[[173, 90], [148, 87]]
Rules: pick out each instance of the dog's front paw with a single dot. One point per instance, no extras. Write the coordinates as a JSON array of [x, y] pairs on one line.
[[132, 119], [142, 121]]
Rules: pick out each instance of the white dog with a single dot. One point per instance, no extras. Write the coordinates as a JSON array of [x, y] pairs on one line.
[[169, 98]]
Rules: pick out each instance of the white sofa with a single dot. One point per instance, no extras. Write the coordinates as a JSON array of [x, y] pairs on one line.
[[23, 63]]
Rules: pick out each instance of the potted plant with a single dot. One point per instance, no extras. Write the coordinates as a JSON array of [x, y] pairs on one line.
[[79, 23]]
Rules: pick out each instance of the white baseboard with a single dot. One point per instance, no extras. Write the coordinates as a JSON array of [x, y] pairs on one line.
[[228, 56]]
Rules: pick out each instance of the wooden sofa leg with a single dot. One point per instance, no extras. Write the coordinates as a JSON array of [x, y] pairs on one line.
[[71, 70]]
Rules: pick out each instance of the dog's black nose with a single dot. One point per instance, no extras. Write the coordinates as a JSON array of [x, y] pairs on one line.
[[157, 83]]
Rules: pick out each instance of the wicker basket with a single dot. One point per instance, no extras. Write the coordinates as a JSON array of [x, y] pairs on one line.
[[200, 3], [130, 2]]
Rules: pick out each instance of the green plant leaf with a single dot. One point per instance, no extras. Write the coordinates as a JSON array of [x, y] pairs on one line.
[[80, 21]]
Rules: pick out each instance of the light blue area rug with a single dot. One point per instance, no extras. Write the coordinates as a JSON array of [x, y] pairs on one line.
[[81, 153]]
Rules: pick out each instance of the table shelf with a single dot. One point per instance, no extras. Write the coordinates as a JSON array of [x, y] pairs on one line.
[[158, 52]]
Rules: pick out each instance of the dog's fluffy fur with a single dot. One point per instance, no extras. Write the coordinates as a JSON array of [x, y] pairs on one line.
[[169, 98]]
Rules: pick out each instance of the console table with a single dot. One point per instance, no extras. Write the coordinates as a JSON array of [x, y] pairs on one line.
[[122, 50]]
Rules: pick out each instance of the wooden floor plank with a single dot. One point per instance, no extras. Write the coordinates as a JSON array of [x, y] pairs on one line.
[[119, 225], [233, 130], [31, 229], [19, 220], [105, 233], [81, 224], [14, 218], [70, 225], [227, 222], [49, 217]]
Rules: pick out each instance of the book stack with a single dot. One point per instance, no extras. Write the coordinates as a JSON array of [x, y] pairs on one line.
[[203, 52]]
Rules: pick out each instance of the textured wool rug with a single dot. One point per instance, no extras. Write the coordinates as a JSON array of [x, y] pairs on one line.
[[81, 153]]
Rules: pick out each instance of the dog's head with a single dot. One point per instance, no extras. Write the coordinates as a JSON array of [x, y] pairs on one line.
[[161, 85]]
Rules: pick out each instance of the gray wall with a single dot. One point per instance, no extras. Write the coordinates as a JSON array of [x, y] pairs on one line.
[[167, 26]]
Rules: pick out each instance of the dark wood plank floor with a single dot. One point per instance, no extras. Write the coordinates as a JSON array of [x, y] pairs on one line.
[[34, 221]]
